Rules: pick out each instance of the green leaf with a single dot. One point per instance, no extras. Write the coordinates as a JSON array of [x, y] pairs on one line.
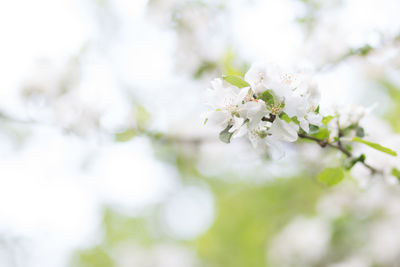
[[205, 121], [225, 136], [295, 120], [322, 134], [349, 163], [236, 81], [126, 135], [96, 256], [327, 119], [360, 132], [285, 117], [375, 146], [267, 97], [142, 117], [331, 176], [396, 173], [348, 147], [230, 64], [314, 129]]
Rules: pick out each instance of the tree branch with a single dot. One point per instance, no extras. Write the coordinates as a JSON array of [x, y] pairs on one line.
[[339, 146]]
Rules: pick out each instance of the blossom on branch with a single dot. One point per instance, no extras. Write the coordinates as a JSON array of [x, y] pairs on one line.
[[268, 106], [271, 106]]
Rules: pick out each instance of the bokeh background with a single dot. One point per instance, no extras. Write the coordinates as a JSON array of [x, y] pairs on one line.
[[105, 161]]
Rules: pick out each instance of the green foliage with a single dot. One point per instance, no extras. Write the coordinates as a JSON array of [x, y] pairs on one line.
[[295, 120], [327, 119], [267, 97], [126, 135], [119, 228], [360, 132], [236, 81], [94, 257], [314, 129], [375, 146], [142, 117], [396, 173], [392, 114], [249, 215], [349, 130], [285, 117], [348, 234], [230, 66], [225, 136], [331, 176], [349, 163], [322, 134]]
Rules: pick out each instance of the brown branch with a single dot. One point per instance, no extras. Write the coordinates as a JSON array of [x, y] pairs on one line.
[[339, 146], [271, 118]]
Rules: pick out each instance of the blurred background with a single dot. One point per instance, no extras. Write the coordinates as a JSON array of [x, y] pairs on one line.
[[105, 161]]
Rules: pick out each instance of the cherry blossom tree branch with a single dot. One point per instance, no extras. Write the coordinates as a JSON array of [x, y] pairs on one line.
[[339, 146]]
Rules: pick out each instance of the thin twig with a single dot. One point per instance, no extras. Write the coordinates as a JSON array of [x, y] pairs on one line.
[[339, 146]]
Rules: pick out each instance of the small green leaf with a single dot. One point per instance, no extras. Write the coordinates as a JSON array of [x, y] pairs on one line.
[[126, 135], [230, 65], [236, 81], [375, 146], [331, 176], [327, 119], [360, 132], [295, 120], [348, 148], [349, 163], [314, 129], [225, 136], [267, 97], [396, 173], [348, 130], [322, 134], [285, 117], [205, 121], [317, 110], [142, 117]]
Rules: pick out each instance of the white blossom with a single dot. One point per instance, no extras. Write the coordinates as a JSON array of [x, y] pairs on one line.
[[284, 131], [271, 110], [297, 93], [225, 100], [233, 106]]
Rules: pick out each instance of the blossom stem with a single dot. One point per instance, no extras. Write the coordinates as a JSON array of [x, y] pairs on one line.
[[271, 118], [339, 146]]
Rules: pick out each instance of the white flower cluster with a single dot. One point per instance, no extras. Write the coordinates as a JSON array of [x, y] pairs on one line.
[[269, 106]]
